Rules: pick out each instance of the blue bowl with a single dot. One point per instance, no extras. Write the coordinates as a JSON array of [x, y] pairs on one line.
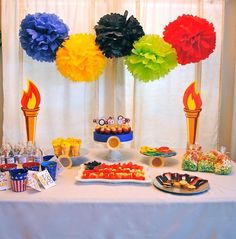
[[18, 174], [48, 157]]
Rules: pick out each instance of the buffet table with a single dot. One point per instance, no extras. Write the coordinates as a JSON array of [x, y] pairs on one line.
[[120, 211]]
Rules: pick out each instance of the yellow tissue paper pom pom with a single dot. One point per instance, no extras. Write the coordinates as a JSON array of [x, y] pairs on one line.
[[80, 59]]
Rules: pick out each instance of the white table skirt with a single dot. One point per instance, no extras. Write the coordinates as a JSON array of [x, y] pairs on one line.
[[115, 211]]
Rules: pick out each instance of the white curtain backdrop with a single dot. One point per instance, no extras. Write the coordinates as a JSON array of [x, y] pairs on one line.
[[67, 108]]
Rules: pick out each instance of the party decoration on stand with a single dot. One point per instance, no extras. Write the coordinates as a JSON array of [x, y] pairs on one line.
[[30, 106], [151, 58], [194, 38], [115, 34], [113, 133], [192, 108], [41, 34], [107, 127], [156, 156], [80, 59], [67, 150]]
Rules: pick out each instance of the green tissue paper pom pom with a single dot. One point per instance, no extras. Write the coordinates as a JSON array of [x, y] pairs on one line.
[[151, 58]]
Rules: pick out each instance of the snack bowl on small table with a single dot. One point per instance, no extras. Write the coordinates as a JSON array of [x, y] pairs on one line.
[[156, 156]]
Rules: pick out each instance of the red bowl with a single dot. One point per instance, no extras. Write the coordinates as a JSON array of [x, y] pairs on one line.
[[7, 167], [31, 166]]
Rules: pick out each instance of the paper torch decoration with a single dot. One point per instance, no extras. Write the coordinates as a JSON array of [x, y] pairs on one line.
[[192, 108], [30, 106]]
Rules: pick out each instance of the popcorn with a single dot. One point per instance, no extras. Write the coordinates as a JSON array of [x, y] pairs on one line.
[[68, 147]]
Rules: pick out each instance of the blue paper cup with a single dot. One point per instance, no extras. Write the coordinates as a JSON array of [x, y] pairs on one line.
[[18, 179], [51, 166]]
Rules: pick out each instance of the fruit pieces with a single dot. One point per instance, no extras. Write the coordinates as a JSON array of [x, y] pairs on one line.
[[91, 165], [113, 171]]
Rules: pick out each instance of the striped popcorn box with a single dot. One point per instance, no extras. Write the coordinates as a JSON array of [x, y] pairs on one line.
[[18, 179]]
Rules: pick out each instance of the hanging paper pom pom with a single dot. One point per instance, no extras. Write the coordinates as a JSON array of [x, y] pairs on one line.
[[41, 34], [194, 38], [116, 34], [151, 58], [80, 59]]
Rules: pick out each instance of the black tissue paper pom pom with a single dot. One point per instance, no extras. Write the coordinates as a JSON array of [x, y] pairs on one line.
[[115, 34]]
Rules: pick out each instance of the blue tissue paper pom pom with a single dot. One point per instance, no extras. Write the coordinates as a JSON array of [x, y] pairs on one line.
[[41, 34]]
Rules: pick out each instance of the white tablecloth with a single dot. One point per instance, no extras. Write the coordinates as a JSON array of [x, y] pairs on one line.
[[115, 211]]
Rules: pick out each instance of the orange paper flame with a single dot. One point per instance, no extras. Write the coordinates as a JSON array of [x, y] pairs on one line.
[[31, 99], [192, 99]]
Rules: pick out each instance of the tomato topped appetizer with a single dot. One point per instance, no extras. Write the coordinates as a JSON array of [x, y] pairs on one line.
[[129, 170]]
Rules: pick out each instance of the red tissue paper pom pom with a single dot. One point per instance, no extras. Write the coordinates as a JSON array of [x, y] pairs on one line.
[[194, 38]]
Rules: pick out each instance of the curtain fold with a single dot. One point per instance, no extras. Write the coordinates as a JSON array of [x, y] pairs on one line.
[[67, 108]]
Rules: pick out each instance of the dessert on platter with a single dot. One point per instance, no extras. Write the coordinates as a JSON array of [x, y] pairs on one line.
[[191, 157], [163, 151], [68, 147], [157, 155], [116, 172], [181, 183], [107, 127], [213, 161]]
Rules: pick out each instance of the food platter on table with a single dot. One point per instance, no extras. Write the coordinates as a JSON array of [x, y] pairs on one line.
[[163, 151], [156, 155], [184, 184], [126, 172]]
